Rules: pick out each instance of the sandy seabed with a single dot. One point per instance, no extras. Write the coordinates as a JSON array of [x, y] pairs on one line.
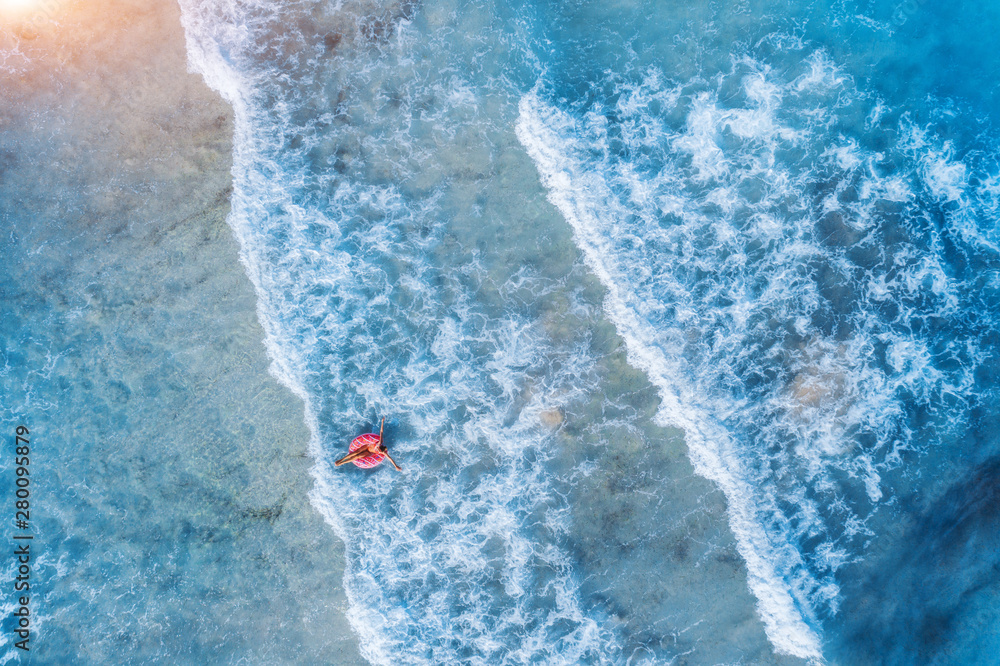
[[171, 513]]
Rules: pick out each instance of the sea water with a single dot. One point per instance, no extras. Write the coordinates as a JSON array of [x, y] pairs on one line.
[[168, 503], [787, 214], [682, 318]]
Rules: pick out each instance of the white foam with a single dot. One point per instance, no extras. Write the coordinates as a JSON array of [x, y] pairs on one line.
[[581, 196], [709, 244], [13, 61], [474, 525], [945, 178], [307, 245]]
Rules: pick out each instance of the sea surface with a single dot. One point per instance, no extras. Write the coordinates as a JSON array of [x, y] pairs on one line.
[[684, 318]]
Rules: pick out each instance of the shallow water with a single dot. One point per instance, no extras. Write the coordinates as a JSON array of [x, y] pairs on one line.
[[169, 503], [681, 318]]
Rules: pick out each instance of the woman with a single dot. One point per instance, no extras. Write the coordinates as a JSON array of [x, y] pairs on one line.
[[373, 446]]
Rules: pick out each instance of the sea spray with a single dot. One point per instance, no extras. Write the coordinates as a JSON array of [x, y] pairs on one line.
[[792, 260], [371, 309], [543, 128], [771, 278]]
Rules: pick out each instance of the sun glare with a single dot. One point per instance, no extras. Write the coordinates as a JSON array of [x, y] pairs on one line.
[[18, 6]]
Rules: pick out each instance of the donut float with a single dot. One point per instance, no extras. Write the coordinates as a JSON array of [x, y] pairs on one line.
[[372, 459]]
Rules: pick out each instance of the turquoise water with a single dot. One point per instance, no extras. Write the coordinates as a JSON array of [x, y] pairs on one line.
[[789, 210], [168, 505], [682, 318]]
